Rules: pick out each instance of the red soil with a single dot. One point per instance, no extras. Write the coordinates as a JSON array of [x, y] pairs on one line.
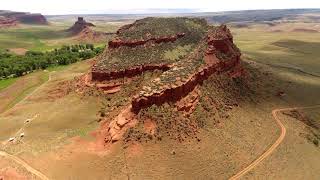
[[18, 51], [133, 150], [189, 103], [11, 174], [150, 126]]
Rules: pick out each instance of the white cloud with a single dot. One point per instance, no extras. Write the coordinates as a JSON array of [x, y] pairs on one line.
[[113, 6]]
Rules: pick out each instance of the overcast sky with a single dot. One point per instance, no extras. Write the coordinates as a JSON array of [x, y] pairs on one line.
[[145, 6]]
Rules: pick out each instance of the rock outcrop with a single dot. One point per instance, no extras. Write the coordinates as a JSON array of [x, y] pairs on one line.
[[178, 91], [213, 53], [130, 72], [80, 25], [89, 35], [118, 42], [220, 41], [7, 22]]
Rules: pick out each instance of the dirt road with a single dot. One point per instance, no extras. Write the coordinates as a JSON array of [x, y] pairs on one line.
[[274, 145], [17, 159], [24, 164]]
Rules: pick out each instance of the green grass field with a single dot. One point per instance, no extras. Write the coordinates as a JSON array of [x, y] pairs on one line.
[[31, 37], [43, 38], [7, 82], [16, 89]]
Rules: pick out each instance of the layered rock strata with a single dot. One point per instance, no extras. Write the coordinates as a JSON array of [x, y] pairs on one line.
[[130, 72], [118, 43], [213, 53], [218, 42]]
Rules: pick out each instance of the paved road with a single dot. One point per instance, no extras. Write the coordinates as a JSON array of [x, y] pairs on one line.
[[274, 145]]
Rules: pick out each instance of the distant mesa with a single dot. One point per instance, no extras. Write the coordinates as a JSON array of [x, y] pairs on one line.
[[305, 30], [11, 18], [27, 18], [80, 25]]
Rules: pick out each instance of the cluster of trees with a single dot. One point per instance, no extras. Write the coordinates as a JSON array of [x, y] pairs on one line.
[[14, 65]]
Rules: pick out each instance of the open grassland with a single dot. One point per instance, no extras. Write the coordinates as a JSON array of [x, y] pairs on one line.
[[7, 82], [298, 155], [294, 60], [43, 38], [298, 50], [31, 37], [19, 88]]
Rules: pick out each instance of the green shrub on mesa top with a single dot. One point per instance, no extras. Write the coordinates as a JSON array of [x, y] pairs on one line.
[[153, 53], [14, 65]]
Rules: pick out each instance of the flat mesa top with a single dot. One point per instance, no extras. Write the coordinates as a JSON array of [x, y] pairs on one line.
[[153, 41]]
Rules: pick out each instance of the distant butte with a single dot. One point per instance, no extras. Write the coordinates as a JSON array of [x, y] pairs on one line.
[[80, 25]]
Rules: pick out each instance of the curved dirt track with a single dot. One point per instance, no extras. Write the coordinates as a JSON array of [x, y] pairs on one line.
[[17, 159], [274, 145]]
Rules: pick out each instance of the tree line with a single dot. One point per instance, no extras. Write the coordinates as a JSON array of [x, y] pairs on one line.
[[17, 65]]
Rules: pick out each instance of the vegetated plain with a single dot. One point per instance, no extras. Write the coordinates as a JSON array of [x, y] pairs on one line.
[[282, 48], [44, 37], [293, 58], [282, 61]]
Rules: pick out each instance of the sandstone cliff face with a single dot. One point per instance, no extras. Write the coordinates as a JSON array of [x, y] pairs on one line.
[[219, 41], [130, 72]]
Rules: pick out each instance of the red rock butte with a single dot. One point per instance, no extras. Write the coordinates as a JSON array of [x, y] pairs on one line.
[[199, 51], [80, 25]]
